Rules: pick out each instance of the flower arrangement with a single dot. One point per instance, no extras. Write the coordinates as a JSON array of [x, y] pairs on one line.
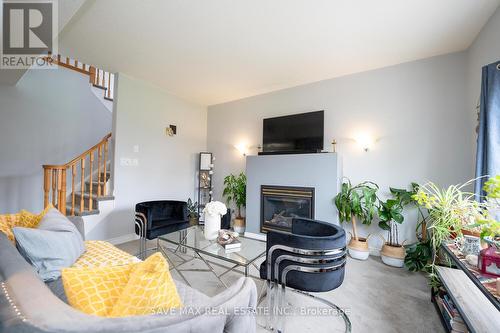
[[215, 208]]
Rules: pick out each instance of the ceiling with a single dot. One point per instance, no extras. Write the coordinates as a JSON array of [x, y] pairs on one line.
[[66, 10], [215, 51]]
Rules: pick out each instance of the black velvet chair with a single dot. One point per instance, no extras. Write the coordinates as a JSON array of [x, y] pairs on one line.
[[156, 218], [311, 258]]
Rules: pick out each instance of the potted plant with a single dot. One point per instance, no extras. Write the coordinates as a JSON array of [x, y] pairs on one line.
[[449, 210], [235, 189], [390, 214], [192, 208], [357, 202]]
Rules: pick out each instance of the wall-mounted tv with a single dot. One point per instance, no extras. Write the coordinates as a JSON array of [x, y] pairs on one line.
[[294, 134]]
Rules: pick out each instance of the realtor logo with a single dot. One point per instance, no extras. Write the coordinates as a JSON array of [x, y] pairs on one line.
[[28, 32]]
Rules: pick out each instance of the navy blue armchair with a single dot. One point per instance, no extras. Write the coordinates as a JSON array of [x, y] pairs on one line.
[[311, 258], [156, 218]]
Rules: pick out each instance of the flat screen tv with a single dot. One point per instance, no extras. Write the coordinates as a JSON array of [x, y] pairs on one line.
[[294, 134]]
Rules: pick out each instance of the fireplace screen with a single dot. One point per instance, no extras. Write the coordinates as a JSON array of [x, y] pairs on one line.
[[280, 204]]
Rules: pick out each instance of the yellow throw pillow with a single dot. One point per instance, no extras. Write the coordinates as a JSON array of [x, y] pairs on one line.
[[23, 219], [31, 220], [103, 254], [7, 222], [95, 290], [149, 290]]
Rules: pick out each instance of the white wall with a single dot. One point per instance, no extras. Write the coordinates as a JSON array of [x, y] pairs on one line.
[[166, 165], [416, 110], [485, 50], [49, 117]]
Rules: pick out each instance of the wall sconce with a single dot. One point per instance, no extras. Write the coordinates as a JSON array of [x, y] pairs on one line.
[[242, 148], [365, 141], [171, 130]]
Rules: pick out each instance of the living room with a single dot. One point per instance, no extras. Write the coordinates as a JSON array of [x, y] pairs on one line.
[[289, 164]]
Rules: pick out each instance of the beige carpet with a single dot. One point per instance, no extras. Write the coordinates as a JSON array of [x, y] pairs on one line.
[[378, 298]]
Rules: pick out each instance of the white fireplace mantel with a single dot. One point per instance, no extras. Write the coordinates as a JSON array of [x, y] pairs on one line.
[[322, 171]]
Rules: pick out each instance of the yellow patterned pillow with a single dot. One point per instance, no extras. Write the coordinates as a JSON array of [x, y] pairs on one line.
[[95, 290], [22, 219], [7, 222], [31, 220], [149, 290], [103, 254]]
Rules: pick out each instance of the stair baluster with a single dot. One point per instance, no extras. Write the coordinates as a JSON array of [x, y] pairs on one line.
[[82, 206], [99, 158], [73, 176], [91, 164], [56, 184]]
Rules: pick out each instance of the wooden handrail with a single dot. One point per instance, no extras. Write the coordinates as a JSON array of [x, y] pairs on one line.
[[95, 76], [79, 157], [55, 183]]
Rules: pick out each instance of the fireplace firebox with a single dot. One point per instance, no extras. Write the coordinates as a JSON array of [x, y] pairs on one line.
[[280, 204]]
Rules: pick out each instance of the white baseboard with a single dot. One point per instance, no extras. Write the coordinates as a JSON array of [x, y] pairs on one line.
[[262, 237], [122, 239]]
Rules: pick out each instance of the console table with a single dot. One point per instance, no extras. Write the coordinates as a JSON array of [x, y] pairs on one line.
[[478, 306]]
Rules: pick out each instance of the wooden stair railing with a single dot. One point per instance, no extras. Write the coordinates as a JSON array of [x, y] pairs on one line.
[[56, 187], [97, 77]]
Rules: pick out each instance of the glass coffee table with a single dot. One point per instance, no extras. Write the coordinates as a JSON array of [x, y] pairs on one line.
[[192, 239]]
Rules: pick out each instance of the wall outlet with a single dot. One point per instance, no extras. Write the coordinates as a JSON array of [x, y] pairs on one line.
[[136, 148], [129, 161]]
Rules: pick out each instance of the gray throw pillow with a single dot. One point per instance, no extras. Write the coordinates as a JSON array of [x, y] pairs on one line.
[[54, 245]]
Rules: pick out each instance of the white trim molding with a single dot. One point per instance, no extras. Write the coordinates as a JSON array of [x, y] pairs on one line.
[[122, 239]]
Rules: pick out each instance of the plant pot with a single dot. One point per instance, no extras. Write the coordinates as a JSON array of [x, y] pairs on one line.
[[393, 255], [193, 221], [470, 233], [358, 249], [239, 225]]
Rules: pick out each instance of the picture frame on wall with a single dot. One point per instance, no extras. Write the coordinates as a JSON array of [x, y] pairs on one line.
[[205, 161]]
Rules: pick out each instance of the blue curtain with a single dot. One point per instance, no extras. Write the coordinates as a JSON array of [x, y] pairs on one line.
[[488, 140]]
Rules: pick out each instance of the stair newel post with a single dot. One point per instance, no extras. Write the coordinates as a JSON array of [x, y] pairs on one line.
[[54, 186], [73, 176], [105, 165], [62, 191], [46, 186], [82, 164], [91, 164], [99, 158]]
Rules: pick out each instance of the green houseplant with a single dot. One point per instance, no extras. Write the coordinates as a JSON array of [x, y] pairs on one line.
[[449, 211], [488, 226], [357, 202], [390, 214], [235, 188], [192, 208]]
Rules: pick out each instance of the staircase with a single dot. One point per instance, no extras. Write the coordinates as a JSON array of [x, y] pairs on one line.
[[98, 78], [77, 187]]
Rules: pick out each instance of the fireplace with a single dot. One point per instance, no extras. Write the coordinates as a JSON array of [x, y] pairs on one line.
[[280, 204]]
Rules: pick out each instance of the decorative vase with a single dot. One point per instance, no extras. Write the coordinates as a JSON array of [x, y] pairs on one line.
[[212, 226], [239, 225], [470, 245]]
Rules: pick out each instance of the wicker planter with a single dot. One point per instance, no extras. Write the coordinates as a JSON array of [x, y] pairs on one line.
[[358, 248], [393, 255]]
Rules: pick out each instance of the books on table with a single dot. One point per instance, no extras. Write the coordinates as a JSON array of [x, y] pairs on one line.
[[235, 244]]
